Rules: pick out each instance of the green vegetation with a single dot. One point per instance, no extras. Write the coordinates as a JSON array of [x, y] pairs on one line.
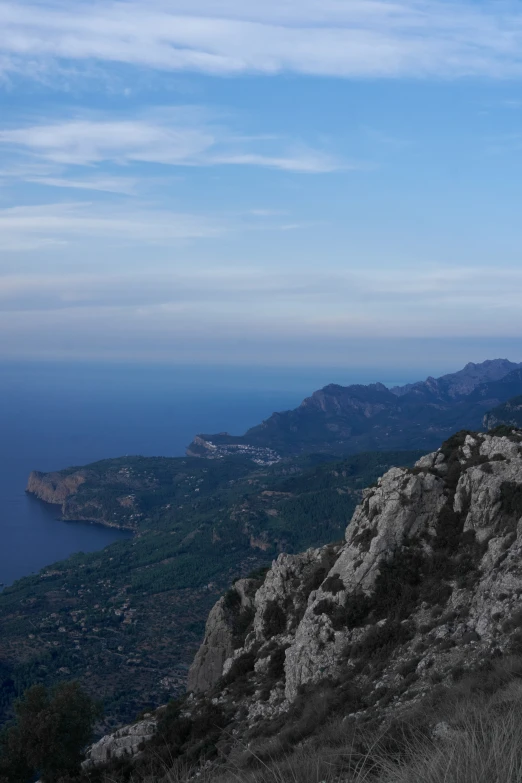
[[127, 621], [511, 498], [48, 735]]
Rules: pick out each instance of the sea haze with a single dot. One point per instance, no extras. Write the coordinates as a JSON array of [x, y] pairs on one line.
[[53, 416]]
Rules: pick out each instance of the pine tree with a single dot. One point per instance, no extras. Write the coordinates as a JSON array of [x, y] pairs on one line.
[[49, 733]]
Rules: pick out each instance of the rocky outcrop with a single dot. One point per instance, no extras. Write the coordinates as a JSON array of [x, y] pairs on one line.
[[227, 619], [55, 488], [202, 448], [67, 489], [427, 583], [124, 743]]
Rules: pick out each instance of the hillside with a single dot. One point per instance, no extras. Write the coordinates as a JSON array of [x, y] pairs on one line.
[[127, 620], [373, 641], [509, 414], [344, 420]]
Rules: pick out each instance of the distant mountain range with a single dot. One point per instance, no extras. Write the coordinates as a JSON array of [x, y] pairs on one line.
[[461, 383], [341, 420]]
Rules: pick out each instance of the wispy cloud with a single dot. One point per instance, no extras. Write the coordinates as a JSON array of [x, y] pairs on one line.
[[49, 174], [33, 227], [372, 296], [123, 185], [170, 139], [359, 38]]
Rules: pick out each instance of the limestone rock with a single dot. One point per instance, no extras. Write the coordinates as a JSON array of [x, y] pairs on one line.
[[449, 534], [401, 505], [124, 743], [54, 487], [220, 634], [426, 584]]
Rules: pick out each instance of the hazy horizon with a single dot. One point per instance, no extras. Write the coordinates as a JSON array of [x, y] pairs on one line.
[[294, 183]]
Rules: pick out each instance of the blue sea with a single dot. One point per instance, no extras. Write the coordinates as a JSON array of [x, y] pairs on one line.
[[54, 415]]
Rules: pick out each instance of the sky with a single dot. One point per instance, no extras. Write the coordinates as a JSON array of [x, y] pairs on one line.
[[293, 182]]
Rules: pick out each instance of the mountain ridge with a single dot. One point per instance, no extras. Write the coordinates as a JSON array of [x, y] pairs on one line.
[[341, 420], [463, 381]]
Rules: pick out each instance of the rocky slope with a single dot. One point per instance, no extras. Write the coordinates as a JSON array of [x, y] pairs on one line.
[[425, 587], [509, 414], [343, 420], [423, 593], [421, 597]]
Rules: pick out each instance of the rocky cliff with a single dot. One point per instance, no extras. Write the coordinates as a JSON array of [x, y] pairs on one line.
[[426, 586], [422, 596], [72, 490], [56, 487]]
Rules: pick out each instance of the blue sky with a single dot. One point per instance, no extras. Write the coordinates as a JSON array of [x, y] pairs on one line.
[[312, 182]]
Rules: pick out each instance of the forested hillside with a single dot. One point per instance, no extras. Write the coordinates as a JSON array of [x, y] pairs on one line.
[[126, 621]]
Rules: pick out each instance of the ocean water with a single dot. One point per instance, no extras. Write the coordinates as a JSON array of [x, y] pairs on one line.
[[53, 416]]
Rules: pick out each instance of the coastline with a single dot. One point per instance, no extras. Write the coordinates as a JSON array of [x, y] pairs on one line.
[[62, 517]]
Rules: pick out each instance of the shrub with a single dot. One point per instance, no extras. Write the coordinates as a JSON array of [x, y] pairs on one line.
[[503, 431], [351, 614], [276, 667], [511, 498], [381, 640], [241, 625], [445, 644], [232, 600], [408, 667], [515, 621], [178, 734], [259, 574], [451, 446], [365, 538], [397, 585], [314, 578], [324, 606], [275, 671], [241, 666], [333, 584], [274, 619]]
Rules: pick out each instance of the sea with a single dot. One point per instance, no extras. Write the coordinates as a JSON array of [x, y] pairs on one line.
[[56, 415]]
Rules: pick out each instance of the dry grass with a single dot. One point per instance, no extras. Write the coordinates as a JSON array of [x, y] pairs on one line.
[[480, 741], [483, 747], [483, 744]]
